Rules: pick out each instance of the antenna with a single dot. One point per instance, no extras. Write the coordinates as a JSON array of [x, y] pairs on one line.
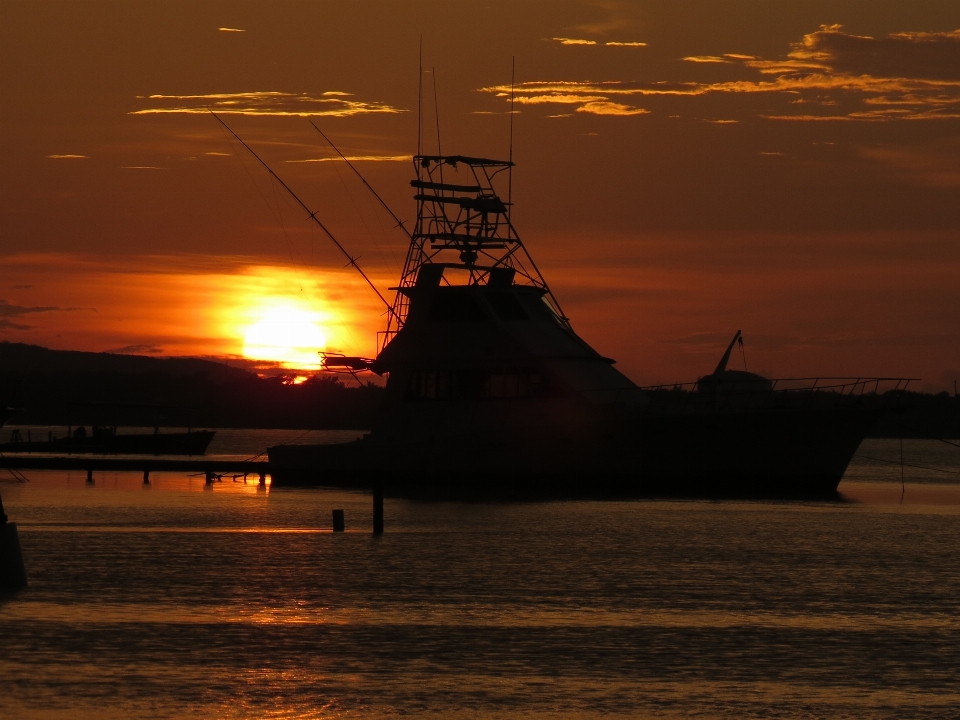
[[420, 102], [436, 108], [311, 214], [513, 70], [363, 180]]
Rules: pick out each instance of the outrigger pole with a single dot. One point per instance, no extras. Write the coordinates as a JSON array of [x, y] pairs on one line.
[[363, 180], [311, 214]]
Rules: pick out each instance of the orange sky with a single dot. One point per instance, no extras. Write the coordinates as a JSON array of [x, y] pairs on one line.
[[685, 170]]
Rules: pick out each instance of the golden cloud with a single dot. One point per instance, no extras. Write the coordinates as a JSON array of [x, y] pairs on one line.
[[331, 103], [573, 41], [605, 107], [903, 76], [66, 157], [358, 158], [566, 99]]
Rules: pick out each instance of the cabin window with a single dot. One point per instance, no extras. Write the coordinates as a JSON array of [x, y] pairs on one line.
[[512, 385], [506, 306], [456, 307], [538, 308], [431, 385], [474, 384]]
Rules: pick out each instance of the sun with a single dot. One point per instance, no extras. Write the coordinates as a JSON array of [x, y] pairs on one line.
[[287, 335]]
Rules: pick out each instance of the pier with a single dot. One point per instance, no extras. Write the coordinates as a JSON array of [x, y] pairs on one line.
[[212, 469], [145, 465]]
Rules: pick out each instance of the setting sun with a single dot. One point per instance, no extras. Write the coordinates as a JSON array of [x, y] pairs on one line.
[[287, 335]]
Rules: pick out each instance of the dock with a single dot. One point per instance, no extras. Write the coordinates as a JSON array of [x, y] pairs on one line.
[[210, 468], [78, 462]]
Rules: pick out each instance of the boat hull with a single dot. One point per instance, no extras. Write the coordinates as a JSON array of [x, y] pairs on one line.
[[775, 453]]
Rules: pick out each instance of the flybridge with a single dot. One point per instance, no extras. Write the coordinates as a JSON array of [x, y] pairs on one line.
[[469, 219], [463, 231]]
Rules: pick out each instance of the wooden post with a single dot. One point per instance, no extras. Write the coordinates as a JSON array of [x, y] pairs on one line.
[[338, 524], [378, 510], [263, 480], [210, 478], [146, 477], [89, 476]]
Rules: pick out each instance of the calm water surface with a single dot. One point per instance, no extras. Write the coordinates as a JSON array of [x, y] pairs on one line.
[[175, 601]]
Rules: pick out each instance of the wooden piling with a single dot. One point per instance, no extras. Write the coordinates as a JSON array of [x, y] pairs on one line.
[[338, 523], [89, 476], [146, 477], [378, 510]]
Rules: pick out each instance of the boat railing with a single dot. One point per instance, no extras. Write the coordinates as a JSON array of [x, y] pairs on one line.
[[882, 392]]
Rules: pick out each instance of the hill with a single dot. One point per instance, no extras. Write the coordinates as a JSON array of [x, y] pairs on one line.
[[73, 387]]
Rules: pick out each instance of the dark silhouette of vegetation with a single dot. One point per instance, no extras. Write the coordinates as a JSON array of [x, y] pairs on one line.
[[54, 387], [60, 387]]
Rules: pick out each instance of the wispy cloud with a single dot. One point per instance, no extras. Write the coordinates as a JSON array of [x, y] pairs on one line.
[[605, 107], [141, 167], [230, 30], [66, 157], [9, 311], [137, 350], [707, 59], [904, 76], [573, 41], [595, 43], [358, 158], [930, 167], [331, 103]]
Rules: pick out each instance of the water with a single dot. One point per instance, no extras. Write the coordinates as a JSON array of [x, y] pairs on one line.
[[176, 601]]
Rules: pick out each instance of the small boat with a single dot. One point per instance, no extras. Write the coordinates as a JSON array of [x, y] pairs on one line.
[[106, 441]]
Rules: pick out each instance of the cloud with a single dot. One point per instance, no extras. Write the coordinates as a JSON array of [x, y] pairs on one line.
[[8, 312], [141, 167], [903, 76], [938, 168], [230, 30], [707, 59], [138, 350], [573, 41], [927, 55], [66, 157], [585, 42], [358, 158], [331, 103], [605, 107], [559, 98]]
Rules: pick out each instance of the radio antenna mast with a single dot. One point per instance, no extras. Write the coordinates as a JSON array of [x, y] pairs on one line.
[[420, 99], [311, 214], [513, 71]]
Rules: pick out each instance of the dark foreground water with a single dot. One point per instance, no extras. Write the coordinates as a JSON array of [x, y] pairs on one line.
[[175, 601]]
